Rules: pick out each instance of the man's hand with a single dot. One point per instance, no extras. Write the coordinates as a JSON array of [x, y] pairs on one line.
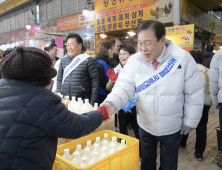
[[109, 108], [111, 74], [185, 130]]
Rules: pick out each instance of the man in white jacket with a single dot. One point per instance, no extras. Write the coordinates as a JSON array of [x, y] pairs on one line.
[[215, 75], [170, 95]]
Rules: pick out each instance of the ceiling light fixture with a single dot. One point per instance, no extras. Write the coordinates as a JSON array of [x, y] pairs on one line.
[[103, 35], [131, 33], [28, 27], [126, 37], [88, 7]]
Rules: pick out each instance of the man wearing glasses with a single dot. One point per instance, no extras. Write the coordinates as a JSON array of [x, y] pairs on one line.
[[169, 91], [78, 75]]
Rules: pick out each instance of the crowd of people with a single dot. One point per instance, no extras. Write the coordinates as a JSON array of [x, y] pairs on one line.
[[173, 95]]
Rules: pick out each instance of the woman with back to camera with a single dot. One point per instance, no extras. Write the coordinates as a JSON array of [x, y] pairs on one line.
[[31, 116]]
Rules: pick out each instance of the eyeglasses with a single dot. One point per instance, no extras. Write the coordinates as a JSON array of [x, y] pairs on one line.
[[123, 54], [146, 44]]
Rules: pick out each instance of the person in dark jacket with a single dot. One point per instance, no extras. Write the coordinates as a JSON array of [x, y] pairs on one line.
[[31, 116], [83, 79], [208, 55], [103, 63], [116, 44], [6, 52], [53, 52]]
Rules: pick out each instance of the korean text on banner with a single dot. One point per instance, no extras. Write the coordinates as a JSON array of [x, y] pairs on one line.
[[182, 35], [194, 15], [67, 23]]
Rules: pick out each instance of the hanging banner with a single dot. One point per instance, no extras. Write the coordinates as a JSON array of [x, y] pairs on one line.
[[48, 27], [194, 15], [122, 15], [59, 42], [75, 21], [182, 35]]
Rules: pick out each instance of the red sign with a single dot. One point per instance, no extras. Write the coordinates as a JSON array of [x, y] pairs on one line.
[[59, 42]]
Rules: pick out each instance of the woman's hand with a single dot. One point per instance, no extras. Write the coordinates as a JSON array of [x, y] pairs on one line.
[[111, 74]]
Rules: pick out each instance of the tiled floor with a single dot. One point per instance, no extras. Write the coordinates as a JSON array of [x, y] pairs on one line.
[[187, 161]]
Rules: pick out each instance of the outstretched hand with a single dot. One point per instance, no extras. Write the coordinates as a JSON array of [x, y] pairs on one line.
[[111, 74], [108, 107]]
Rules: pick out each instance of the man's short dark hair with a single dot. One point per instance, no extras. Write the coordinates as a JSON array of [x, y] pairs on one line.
[[157, 26], [113, 41], [51, 46], [6, 52], [198, 56], [76, 36], [209, 48], [128, 47], [104, 47], [83, 49], [46, 49]]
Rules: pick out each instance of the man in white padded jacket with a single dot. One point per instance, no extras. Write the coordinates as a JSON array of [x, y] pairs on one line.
[[169, 91]]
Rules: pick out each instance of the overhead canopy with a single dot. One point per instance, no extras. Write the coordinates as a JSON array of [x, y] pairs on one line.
[[208, 5]]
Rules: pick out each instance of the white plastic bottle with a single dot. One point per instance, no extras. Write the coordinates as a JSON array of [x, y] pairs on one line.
[[84, 163], [114, 142], [77, 160], [122, 145], [106, 138], [87, 154], [78, 105], [78, 149], [98, 142], [96, 149], [67, 101], [105, 145], [104, 154], [86, 107], [71, 105], [89, 145], [66, 156], [95, 106], [94, 159], [113, 149]]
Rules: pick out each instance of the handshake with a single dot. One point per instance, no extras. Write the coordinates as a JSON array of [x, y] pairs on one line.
[[106, 110]]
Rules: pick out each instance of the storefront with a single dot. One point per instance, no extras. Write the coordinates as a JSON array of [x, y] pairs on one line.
[[118, 18], [206, 26]]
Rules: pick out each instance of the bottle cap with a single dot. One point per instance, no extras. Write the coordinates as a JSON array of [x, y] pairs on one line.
[[97, 139], [79, 99], [66, 151], [105, 142], [106, 135], [88, 142], [113, 138], [123, 142], [73, 98], [67, 97], [87, 150], [84, 159], [96, 104], [95, 153], [76, 154], [79, 146], [96, 146], [86, 100]]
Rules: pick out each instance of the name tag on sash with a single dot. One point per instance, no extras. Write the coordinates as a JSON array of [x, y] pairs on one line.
[[75, 63], [155, 78]]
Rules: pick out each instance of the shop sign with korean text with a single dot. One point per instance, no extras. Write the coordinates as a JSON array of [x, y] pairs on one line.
[[182, 35], [74, 22], [130, 14], [194, 15]]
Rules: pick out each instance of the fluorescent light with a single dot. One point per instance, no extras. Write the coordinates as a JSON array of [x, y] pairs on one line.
[[103, 35], [131, 33], [85, 12], [28, 27], [126, 37]]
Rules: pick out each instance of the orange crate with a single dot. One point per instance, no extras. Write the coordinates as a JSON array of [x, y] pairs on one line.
[[125, 159]]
